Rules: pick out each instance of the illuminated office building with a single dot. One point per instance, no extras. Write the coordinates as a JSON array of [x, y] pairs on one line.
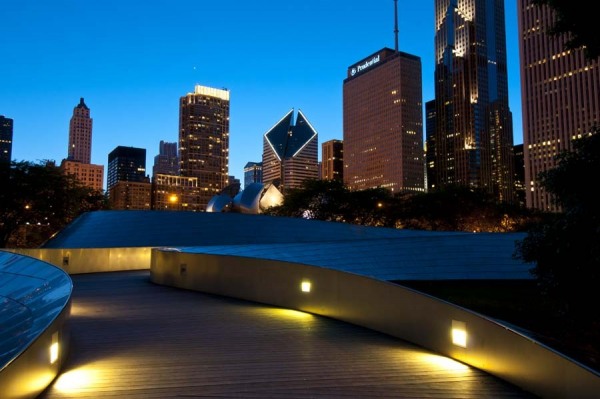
[[290, 152], [204, 140], [332, 160], [473, 140], [560, 91], [6, 138], [383, 123]]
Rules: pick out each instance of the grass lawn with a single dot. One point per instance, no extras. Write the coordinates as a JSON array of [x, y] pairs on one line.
[[519, 303]]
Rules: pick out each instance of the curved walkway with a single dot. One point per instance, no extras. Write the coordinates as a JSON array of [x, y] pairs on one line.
[[134, 339]]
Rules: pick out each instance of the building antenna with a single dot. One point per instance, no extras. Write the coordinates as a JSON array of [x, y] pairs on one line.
[[396, 23]]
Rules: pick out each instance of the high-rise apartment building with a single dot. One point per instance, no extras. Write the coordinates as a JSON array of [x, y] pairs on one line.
[[560, 91], [332, 160], [6, 139], [290, 152], [80, 150], [167, 161], [204, 140], [383, 123], [126, 164], [80, 134], [473, 140], [252, 173]]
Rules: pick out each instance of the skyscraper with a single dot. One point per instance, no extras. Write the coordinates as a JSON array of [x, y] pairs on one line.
[[332, 160], [204, 139], [79, 156], [126, 164], [167, 161], [290, 152], [473, 140], [560, 91], [80, 134], [6, 139], [383, 123]]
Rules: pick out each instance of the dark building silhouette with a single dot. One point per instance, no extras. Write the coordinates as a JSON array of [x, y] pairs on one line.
[[560, 92], [473, 140], [519, 158], [430, 128], [383, 123], [128, 186], [6, 139], [252, 173], [126, 164], [332, 160], [167, 161], [290, 152]]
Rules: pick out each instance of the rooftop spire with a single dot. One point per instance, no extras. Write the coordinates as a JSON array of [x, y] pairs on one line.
[[82, 104], [396, 24]]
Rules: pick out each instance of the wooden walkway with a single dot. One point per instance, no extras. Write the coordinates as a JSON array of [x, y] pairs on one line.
[[134, 339]]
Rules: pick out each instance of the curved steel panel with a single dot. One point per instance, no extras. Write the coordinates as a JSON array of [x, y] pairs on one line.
[[34, 306]]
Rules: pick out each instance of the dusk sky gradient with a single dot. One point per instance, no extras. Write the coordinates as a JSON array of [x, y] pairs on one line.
[[132, 60]]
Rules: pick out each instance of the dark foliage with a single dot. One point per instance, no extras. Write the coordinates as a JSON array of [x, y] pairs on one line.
[[37, 200], [451, 209], [577, 22], [566, 248], [458, 208]]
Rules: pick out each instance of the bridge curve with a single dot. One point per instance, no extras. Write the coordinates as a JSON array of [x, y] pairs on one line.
[[134, 339]]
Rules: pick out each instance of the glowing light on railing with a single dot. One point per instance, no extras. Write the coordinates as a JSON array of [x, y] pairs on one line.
[[305, 286], [54, 348], [459, 333]]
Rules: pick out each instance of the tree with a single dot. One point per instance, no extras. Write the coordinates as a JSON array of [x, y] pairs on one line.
[[461, 208], [330, 200], [39, 199], [566, 248], [455, 208], [574, 19]]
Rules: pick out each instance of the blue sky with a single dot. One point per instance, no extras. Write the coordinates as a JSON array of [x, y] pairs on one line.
[[133, 60]]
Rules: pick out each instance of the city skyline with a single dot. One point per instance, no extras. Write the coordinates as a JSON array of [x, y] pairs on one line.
[[271, 58]]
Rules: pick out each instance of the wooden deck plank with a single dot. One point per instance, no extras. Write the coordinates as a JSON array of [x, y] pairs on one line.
[[134, 339]]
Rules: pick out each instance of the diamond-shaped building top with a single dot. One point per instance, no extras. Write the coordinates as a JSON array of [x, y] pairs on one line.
[[290, 151]]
